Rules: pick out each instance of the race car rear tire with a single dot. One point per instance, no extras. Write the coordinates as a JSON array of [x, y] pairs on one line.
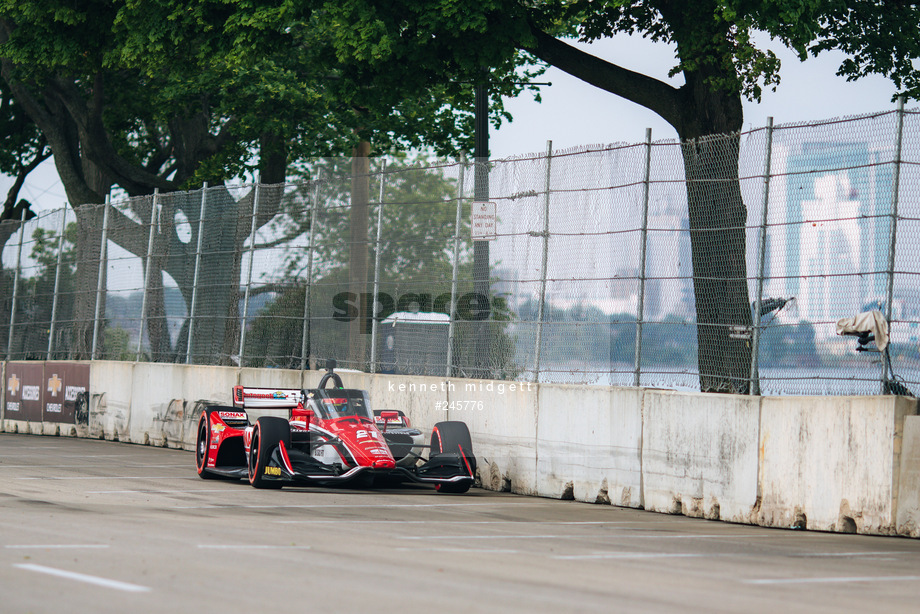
[[202, 444], [453, 436], [266, 435]]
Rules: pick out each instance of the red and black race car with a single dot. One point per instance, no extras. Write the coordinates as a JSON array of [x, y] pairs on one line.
[[330, 436]]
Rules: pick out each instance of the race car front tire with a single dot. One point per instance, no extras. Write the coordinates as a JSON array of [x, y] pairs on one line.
[[201, 446], [453, 436], [268, 432]]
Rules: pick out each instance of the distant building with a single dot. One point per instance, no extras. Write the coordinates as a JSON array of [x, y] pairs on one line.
[[669, 263], [836, 230]]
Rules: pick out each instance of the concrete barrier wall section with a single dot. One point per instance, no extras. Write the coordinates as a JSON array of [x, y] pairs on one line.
[[846, 464]]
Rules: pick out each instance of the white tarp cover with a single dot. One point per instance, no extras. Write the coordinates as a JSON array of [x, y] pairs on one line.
[[867, 321]]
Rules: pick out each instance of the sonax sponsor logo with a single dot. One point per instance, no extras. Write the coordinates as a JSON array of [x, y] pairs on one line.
[[232, 415]]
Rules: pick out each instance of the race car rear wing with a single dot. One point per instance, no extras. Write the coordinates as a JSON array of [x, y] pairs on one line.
[[266, 398]]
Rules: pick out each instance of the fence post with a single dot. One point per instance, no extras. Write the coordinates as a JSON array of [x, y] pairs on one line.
[[640, 309], [100, 279], [454, 282], [191, 311], [761, 263], [305, 339], [252, 255], [22, 236], [542, 304], [893, 232], [147, 272], [377, 270], [57, 282]]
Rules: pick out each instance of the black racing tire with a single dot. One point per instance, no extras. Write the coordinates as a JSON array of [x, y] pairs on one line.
[[453, 437], [202, 443], [266, 435]]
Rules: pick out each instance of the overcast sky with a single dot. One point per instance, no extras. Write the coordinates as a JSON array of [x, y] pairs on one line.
[[575, 113]]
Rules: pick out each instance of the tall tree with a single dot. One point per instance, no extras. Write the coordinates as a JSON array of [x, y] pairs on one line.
[[24, 149], [721, 65], [167, 95]]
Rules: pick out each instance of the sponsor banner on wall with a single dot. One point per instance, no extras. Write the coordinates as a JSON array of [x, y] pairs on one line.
[[65, 382], [24, 384], [46, 391]]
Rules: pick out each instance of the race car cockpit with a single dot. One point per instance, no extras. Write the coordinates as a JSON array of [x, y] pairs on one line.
[[338, 403]]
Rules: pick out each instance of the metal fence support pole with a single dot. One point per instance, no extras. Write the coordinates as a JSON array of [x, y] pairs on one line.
[[147, 271], [455, 279], [252, 255], [22, 236], [538, 345], [893, 231], [305, 339], [640, 308], [100, 278], [193, 306], [377, 271], [761, 263], [57, 283]]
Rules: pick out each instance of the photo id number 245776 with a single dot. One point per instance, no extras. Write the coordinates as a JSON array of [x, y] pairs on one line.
[[458, 405]]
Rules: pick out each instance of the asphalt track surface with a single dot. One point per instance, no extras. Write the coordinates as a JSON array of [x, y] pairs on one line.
[[95, 526]]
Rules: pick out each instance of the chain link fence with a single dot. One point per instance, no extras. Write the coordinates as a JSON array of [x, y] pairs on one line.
[[723, 263]]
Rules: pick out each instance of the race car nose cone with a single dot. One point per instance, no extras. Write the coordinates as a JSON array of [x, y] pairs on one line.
[[384, 463]]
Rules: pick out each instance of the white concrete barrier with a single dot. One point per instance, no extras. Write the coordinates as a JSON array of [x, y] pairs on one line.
[[832, 463], [847, 464], [589, 444], [502, 417], [908, 501], [699, 454], [111, 387]]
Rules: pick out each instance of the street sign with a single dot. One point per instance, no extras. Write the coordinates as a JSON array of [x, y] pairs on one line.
[[482, 223]]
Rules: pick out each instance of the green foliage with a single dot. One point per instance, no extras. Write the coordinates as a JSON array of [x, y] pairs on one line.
[[21, 137], [189, 89], [416, 260], [35, 296], [418, 219]]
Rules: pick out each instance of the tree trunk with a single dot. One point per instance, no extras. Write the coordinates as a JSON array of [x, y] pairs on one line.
[[717, 237], [709, 131], [88, 254]]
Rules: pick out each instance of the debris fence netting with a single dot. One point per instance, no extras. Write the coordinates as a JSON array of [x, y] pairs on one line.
[[718, 264]]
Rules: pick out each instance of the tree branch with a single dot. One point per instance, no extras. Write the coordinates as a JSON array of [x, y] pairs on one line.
[[97, 145], [22, 172], [655, 95]]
